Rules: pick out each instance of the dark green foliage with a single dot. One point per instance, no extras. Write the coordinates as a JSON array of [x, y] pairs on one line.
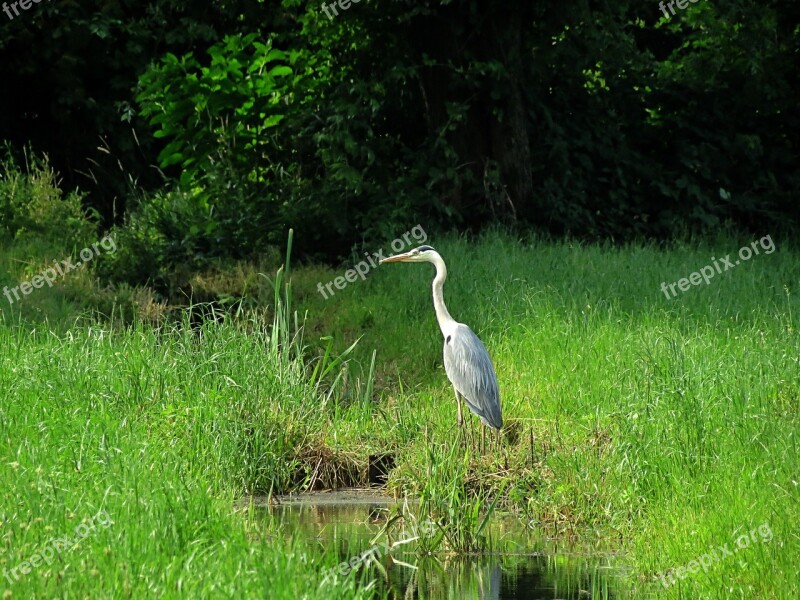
[[609, 121], [218, 120], [32, 206], [191, 104], [71, 69], [165, 233]]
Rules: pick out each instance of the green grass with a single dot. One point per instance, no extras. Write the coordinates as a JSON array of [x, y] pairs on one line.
[[669, 425], [663, 427], [164, 431]]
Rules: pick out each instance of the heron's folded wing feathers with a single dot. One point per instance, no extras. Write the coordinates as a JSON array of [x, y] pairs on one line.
[[470, 369]]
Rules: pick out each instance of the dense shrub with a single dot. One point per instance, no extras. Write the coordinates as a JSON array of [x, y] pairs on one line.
[[33, 206], [598, 121]]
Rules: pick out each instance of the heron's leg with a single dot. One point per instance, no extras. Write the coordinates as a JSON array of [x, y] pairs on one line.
[[499, 441], [458, 403], [461, 431], [473, 437]]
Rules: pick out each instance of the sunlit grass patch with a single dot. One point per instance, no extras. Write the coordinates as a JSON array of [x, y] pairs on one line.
[[662, 426]]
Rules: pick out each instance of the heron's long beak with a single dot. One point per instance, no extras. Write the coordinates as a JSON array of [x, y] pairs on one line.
[[396, 258]]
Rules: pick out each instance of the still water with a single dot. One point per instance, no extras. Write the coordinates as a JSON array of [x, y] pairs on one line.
[[520, 565]]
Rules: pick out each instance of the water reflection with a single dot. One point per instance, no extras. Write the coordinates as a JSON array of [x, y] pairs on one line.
[[521, 565], [496, 578]]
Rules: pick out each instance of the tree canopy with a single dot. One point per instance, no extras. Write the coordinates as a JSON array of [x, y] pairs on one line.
[[593, 119]]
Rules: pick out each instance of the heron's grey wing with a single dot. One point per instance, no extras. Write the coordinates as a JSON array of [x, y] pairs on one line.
[[471, 372]]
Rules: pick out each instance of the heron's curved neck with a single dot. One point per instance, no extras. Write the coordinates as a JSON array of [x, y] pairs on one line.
[[446, 322]]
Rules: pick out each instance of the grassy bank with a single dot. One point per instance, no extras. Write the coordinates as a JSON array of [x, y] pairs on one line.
[[665, 426], [163, 432], [670, 423]]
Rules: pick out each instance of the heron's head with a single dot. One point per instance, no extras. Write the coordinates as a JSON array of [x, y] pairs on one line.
[[420, 254]]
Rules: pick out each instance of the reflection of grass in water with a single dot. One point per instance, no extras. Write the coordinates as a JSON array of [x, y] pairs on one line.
[[482, 576], [460, 514], [351, 530], [519, 555]]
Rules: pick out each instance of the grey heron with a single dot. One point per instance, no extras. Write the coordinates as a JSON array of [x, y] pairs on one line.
[[466, 360]]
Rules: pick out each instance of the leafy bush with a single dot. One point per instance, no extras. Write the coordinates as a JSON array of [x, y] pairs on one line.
[[218, 120], [162, 233], [435, 113], [33, 206]]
